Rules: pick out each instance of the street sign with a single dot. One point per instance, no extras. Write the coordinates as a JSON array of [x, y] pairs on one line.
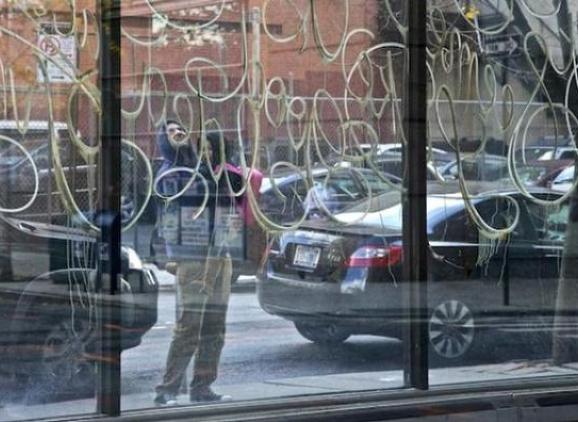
[[500, 46], [57, 47]]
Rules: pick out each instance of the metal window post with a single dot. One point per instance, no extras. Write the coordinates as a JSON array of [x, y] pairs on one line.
[[256, 50], [108, 394], [256, 20], [415, 242]]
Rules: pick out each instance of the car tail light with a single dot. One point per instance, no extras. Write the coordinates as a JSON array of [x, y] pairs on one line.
[[376, 256]]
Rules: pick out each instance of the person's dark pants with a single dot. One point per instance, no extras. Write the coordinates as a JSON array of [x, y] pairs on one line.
[[203, 297]]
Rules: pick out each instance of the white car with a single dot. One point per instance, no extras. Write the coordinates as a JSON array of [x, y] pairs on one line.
[[397, 148], [563, 182], [559, 153]]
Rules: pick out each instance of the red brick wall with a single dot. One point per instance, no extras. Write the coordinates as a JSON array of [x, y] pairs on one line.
[[305, 71]]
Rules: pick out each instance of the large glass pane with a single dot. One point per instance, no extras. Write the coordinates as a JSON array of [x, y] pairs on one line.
[[54, 292], [264, 137], [503, 105], [49, 166]]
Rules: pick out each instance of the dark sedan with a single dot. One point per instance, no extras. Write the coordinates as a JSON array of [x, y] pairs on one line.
[[51, 304], [335, 280]]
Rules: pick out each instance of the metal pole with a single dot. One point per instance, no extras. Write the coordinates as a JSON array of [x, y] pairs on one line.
[[256, 20], [415, 242], [256, 50], [108, 394]]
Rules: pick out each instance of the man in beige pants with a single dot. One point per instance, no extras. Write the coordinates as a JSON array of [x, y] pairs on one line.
[[203, 297], [199, 244]]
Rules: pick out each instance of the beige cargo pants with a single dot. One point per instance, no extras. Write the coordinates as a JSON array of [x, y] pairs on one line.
[[203, 290]]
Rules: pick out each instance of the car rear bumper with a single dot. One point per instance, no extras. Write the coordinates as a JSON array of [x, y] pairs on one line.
[[376, 308]]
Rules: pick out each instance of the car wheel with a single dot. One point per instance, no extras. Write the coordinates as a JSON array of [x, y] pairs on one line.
[[322, 333], [63, 369], [235, 276], [451, 330], [5, 269]]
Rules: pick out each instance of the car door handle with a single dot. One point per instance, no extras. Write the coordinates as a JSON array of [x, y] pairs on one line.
[[27, 227]]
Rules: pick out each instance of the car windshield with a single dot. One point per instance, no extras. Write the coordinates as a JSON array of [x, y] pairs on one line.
[[342, 178], [548, 155], [376, 183], [530, 174], [566, 153], [567, 175]]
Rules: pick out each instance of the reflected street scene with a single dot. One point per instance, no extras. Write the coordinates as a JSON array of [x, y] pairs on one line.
[[251, 243]]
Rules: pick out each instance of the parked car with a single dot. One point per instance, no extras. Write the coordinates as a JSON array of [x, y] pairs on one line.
[[393, 148], [541, 173], [17, 172], [559, 153], [564, 180], [50, 302], [531, 153], [285, 197], [334, 280], [397, 168], [538, 173], [482, 167], [392, 152]]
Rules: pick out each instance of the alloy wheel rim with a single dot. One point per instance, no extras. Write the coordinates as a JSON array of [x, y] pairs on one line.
[[451, 329]]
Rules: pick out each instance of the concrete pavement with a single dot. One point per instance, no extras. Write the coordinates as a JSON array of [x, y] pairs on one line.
[[312, 385], [167, 281], [281, 387]]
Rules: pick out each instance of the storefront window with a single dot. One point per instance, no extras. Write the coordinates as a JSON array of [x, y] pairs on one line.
[[49, 193], [503, 104], [257, 118], [252, 242]]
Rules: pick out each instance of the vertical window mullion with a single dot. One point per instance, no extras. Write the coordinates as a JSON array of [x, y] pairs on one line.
[[415, 242], [108, 394]]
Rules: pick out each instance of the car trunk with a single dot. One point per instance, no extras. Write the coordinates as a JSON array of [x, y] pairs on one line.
[[320, 251]]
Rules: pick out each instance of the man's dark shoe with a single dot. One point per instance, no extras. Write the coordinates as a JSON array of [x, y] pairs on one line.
[[165, 399], [207, 395]]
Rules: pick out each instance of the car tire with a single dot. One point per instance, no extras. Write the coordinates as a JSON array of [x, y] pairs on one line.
[[235, 276], [5, 269], [321, 333], [63, 369], [451, 331]]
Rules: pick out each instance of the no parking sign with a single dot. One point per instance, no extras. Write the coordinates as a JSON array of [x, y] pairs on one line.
[[59, 49]]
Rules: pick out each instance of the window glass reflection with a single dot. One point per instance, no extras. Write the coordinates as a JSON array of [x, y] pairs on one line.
[[267, 124], [262, 169], [503, 104]]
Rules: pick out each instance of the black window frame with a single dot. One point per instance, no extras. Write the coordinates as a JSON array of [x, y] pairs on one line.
[[417, 398]]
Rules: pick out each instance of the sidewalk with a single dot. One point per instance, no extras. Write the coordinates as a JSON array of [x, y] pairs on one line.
[[298, 386], [245, 283]]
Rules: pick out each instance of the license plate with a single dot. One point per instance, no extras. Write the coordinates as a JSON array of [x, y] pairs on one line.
[[306, 256]]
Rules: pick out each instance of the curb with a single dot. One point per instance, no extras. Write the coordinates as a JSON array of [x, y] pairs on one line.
[[241, 286], [244, 284]]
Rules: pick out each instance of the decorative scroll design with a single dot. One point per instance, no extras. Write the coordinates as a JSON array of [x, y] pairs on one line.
[[465, 86], [470, 90]]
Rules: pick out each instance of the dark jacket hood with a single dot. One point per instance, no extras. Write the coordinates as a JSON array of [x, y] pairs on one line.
[[181, 156]]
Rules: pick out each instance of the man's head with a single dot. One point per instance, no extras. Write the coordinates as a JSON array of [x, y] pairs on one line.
[[176, 134]]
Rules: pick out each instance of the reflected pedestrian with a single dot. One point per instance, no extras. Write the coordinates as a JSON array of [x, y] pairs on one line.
[[197, 240]]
